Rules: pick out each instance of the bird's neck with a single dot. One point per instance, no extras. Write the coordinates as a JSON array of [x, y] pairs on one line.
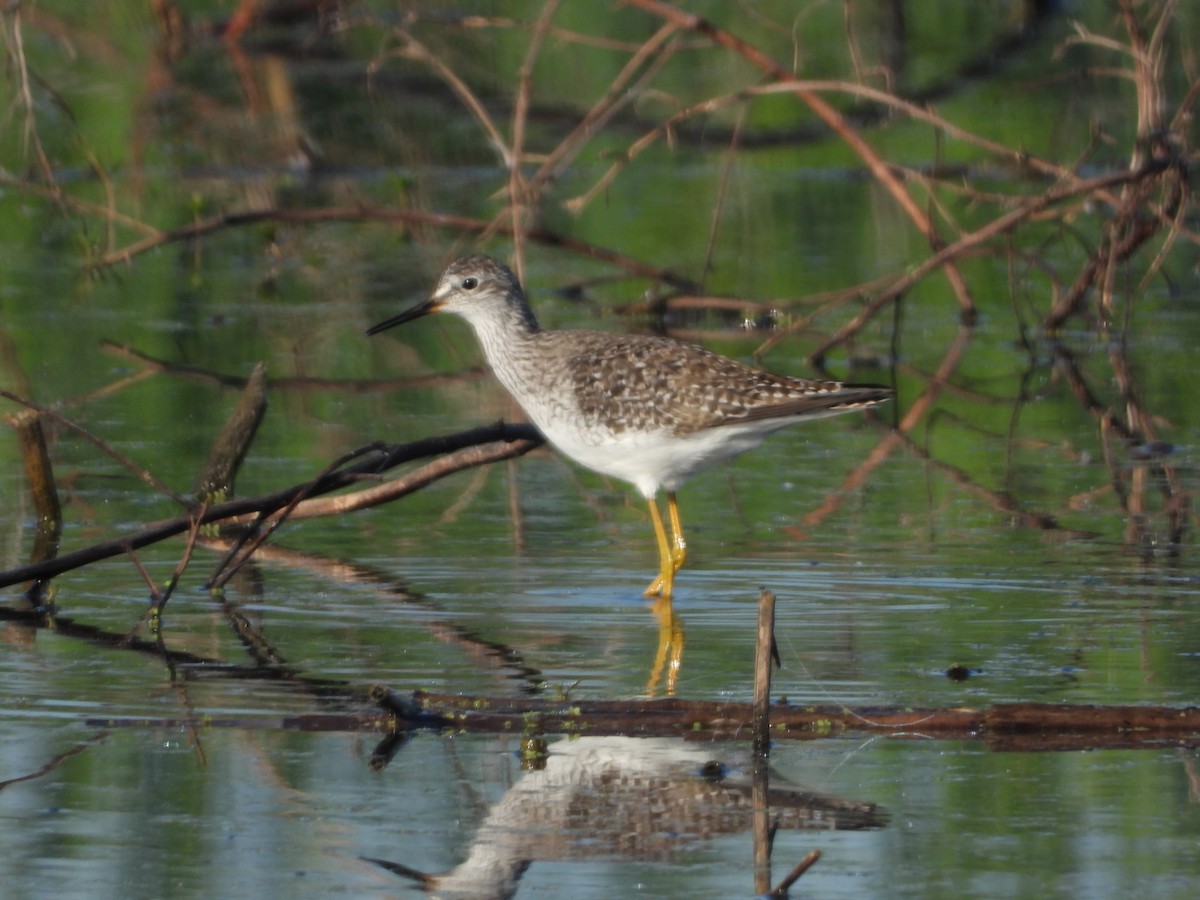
[[503, 337]]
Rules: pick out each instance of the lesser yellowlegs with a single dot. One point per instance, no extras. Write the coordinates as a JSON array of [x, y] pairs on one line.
[[648, 410]]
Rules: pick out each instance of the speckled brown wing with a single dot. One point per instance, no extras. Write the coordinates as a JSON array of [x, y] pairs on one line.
[[815, 398], [645, 383]]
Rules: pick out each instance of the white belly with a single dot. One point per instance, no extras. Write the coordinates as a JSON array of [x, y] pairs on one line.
[[652, 460], [657, 460]]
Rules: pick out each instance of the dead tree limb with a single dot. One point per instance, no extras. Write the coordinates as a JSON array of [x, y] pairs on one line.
[[508, 440], [220, 470], [1011, 726]]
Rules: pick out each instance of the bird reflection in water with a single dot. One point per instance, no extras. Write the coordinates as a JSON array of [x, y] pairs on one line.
[[643, 799]]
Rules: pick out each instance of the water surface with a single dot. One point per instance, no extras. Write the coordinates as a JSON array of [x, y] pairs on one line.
[[1013, 532]]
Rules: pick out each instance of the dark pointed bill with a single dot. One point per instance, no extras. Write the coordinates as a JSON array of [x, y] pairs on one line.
[[421, 309]]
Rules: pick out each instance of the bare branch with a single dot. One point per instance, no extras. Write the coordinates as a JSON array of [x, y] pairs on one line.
[[523, 438]]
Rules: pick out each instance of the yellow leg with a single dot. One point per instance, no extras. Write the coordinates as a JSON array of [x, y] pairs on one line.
[[671, 551], [679, 545], [670, 648], [665, 572]]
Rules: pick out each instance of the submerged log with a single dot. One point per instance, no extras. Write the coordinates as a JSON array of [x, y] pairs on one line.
[[1006, 726], [1021, 727]]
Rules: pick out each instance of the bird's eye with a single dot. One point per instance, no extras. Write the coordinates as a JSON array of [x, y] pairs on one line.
[[470, 283]]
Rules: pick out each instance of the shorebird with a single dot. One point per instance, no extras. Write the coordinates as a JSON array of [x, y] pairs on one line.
[[648, 410]]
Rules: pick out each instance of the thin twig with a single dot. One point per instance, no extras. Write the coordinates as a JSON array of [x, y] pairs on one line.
[[414, 49], [16, 42], [256, 535], [615, 98], [520, 199]]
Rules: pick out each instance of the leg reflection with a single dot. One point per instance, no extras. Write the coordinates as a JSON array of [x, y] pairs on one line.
[[669, 655]]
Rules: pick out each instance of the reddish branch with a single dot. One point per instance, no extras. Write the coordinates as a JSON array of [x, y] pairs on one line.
[[1019, 726], [878, 167]]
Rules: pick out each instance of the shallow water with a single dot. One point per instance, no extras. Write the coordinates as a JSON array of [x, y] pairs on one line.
[[1010, 534]]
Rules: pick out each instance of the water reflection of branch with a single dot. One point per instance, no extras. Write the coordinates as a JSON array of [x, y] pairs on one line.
[[665, 129], [1001, 501], [973, 240], [269, 662], [917, 410], [1124, 234], [1129, 487], [68, 627], [1158, 142], [202, 375], [217, 223], [138, 471], [494, 654], [55, 761], [1136, 431], [876, 165]]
